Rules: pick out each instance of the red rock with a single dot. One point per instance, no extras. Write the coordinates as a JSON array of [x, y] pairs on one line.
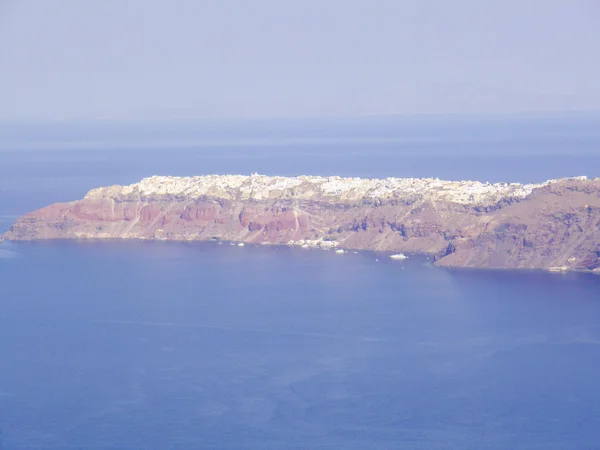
[[557, 225]]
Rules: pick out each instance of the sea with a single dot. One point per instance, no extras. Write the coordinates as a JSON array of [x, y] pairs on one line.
[[173, 345]]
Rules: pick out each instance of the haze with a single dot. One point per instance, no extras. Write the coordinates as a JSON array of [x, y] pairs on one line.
[[137, 59]]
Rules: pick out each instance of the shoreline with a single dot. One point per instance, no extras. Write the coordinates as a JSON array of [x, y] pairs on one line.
[[376, 255], [552, 226]]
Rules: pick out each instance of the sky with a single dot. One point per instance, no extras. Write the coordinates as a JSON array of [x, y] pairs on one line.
[[140, 59]]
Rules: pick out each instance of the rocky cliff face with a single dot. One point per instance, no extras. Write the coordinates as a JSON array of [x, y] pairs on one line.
[[553, 225]]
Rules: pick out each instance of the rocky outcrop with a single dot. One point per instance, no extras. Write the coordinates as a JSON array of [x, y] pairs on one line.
[[553, 225]]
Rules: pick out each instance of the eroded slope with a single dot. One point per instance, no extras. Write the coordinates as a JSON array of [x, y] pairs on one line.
[[553, 225]]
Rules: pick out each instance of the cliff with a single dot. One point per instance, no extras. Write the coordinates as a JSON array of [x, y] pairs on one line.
[[553, 225]]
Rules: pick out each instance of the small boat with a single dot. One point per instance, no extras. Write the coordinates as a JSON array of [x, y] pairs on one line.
[[399, 256]]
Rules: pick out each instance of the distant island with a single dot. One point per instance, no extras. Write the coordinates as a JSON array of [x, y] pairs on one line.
[[553, 225]]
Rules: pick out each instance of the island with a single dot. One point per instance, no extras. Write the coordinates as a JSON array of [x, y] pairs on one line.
[[553, 225]]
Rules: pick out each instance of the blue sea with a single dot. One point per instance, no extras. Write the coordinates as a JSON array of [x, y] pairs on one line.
[[166, 345]]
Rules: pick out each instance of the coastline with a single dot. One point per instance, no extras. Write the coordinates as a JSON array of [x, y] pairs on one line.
[[372, 255], [552, 226]]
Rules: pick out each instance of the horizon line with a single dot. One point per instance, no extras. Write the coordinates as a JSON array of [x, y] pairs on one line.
[[423, 115]]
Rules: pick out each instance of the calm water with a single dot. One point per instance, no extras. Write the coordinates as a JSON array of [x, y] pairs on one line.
[[171, 345]]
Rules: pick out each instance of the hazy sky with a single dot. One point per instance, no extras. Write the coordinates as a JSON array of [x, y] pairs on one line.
[[64, 59]]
